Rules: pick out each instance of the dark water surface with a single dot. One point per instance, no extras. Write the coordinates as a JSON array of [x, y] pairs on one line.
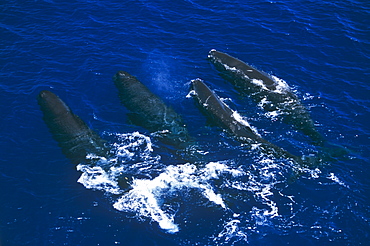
[[230, 196]]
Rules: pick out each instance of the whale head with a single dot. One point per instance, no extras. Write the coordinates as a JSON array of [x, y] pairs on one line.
[[123, 80], [51, 105], [123, 75]]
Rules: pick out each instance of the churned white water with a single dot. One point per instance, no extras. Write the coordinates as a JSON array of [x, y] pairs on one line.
[[147, 197]]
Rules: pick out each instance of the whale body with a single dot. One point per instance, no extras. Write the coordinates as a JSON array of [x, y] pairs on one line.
[[149, 111], [214, 107], [73, 135], [269, 92]]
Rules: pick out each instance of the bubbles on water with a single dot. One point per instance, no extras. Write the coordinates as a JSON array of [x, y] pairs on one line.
[[132, 146], [97, 178], [281, 85], [191, 94], [308, 96], [334, 178], [151, 197], [148, 197], [232, 233], [259, 83], [244, 122], [105, 174], [247, 196]]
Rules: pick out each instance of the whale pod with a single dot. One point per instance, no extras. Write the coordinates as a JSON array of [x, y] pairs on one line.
[[150, 112], [269, 92], [215, 108], [74, 137]]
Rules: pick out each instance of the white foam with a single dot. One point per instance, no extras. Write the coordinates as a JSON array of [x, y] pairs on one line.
[[315, 173], [146, 196], [143, 200], [104, 173], [337, 180], [130, 142], [259, 83], [273, 115], [244, 122], [191, 94], [234, 69], [262, 185], [153, 197], [308, 96], [96, 178], [213, 169], [231, 231], [210, 55], [281, 85]]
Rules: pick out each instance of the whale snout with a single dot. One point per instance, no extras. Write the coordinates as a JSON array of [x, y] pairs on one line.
[[45, 95], [198, 86], [122, 75], [51, 104], [213, 54]]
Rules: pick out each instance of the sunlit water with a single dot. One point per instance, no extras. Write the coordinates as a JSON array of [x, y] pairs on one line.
[[148, 193]]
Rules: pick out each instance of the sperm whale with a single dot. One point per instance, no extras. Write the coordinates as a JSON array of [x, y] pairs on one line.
[[73, 135], [214, 107], [269, 92], [150, 112]]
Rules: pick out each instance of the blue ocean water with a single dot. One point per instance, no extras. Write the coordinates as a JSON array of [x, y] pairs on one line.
[[233, 196]]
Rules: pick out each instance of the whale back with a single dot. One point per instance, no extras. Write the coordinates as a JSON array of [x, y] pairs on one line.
[[246, 70], [149, 111], [271, 94], [213, 107], [73, 135]]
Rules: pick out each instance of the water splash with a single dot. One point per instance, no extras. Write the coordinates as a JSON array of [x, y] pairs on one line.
[[149, 197]]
